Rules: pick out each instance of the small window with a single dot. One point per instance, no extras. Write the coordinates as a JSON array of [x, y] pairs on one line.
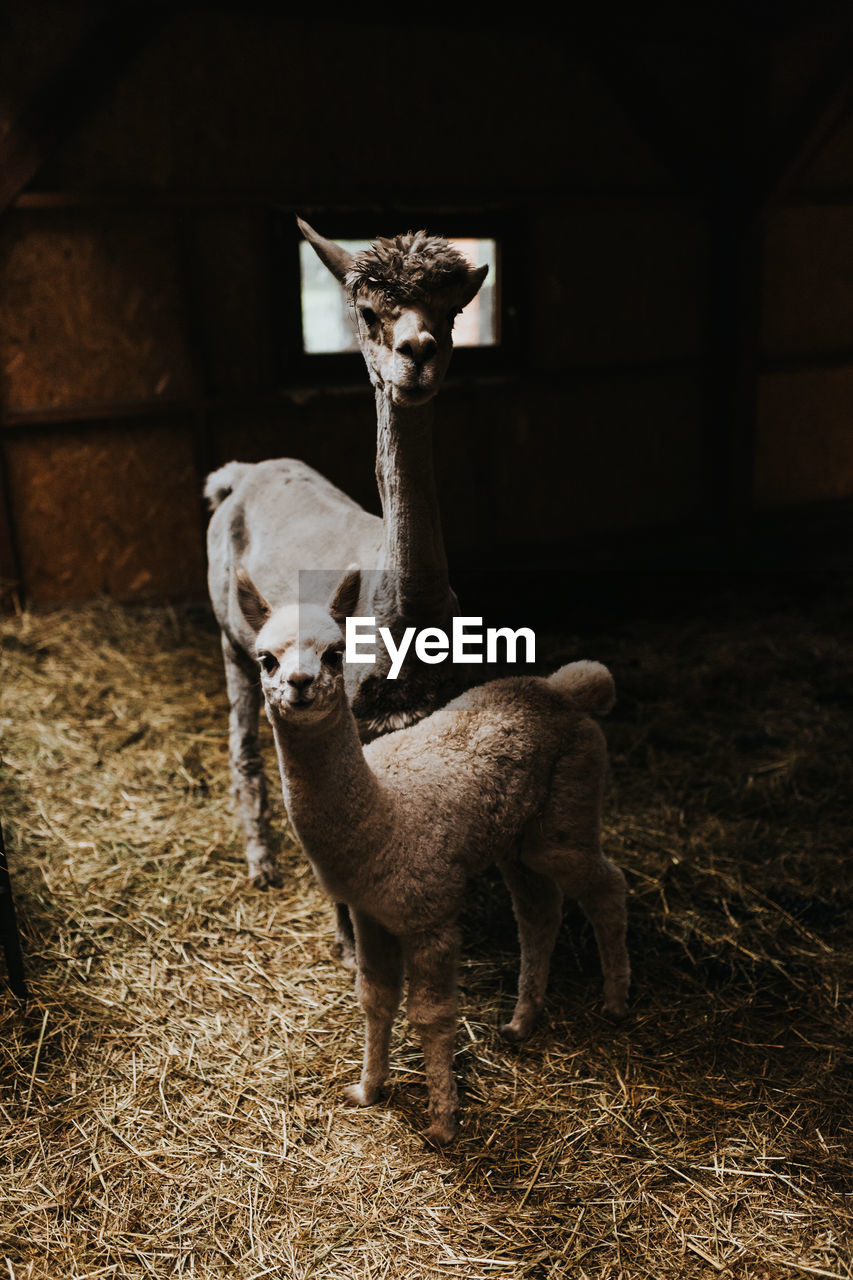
[[328, 324], [315, 328]]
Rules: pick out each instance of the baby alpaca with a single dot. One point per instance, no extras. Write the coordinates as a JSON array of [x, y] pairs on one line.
[[509, 773]]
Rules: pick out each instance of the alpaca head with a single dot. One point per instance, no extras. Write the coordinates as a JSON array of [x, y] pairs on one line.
[[300, 650], [406, 292]]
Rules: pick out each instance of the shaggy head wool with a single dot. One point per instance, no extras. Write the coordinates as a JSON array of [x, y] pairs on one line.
[[407, 268]]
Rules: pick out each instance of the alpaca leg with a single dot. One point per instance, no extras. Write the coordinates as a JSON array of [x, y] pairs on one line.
[[431, 1007], [378, 984], [344, 936], [248, 785], [604, 905], [537, 902], [567, 847]]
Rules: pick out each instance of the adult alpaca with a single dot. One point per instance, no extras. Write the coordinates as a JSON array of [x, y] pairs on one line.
[[272, 520]]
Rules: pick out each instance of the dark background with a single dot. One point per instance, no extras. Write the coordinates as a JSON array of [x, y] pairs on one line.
[[677, 193]]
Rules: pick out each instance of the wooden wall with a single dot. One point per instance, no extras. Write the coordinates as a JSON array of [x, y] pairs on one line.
[[685, 316]]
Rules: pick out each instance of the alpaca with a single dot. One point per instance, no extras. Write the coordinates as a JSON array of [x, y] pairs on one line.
[[510, 773], [279, 519]]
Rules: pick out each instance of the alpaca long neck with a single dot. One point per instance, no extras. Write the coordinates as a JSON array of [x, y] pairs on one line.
[[329, 789], [414, 560]]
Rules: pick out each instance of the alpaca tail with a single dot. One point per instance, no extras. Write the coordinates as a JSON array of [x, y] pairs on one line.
[[220, 483], [587, 685]]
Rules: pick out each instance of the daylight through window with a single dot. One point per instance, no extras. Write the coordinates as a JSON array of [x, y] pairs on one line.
[[328, 324]]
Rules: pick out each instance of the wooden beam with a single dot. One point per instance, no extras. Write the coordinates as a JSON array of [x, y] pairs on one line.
[[75, 90], [450, 202], [826, 107], [734, 287], [201, 365], [671, 135], [9, 936], [93, 413], [10, 566]]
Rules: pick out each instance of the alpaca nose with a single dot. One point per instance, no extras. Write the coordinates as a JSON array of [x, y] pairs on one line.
[[300, 681], [418, 346]]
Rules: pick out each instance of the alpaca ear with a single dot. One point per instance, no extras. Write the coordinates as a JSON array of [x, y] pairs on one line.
[[344, 602], [338, 260], [253, 606], [476, 276]]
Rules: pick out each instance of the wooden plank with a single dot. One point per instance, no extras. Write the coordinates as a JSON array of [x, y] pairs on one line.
[[100, 511]]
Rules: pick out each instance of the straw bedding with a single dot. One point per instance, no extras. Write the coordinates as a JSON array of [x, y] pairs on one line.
[[171, 1097]]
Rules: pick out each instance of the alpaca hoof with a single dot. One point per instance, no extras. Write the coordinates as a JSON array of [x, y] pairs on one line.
[[514, 1033], [359, 1096], [264, 871], [521, 1023], [441, 1132], [345, 954], [266, 876], [616, 1001]]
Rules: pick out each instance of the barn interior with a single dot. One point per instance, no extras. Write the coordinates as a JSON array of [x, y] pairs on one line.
[[652, 462]]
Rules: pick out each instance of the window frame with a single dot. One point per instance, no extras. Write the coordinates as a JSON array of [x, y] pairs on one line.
[[299, 368]]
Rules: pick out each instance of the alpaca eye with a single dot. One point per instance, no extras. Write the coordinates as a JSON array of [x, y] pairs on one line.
[[268, 662], [368, 316], [333, 658]]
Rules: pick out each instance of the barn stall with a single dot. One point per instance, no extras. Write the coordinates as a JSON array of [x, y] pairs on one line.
[[648, 457]]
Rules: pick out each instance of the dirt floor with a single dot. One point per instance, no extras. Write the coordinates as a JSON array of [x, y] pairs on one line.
[[171, 1097]]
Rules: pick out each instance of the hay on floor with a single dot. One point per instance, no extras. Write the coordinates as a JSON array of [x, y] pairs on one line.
[[172, 1097]]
